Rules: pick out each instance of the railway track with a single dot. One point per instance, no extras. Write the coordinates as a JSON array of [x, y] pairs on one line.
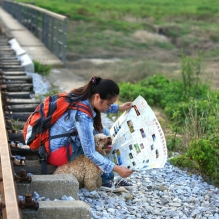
[[25, 193], [16, 158]]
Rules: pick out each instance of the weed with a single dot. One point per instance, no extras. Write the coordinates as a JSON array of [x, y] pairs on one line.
[[191, 71], [16, 125], [52, 92], [41, 68]]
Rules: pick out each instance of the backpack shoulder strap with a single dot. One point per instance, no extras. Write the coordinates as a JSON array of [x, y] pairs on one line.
[[83, 108], [76, 105]]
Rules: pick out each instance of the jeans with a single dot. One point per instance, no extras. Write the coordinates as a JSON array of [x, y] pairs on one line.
[[106, 177], [77, 153]]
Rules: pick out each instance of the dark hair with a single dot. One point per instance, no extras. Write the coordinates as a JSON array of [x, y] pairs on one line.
[[106, 88]]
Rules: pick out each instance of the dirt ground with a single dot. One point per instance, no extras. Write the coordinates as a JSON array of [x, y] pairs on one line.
[[133, 64], [117, 70]]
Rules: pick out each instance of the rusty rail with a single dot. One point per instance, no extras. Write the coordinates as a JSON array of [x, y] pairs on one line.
[[9, 198], [8, 194]]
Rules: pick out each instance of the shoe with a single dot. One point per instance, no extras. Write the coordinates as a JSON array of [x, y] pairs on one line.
[[108, 186], [123, 183]]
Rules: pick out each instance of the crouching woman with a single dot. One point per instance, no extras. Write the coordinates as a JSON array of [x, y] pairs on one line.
[[100, 96]]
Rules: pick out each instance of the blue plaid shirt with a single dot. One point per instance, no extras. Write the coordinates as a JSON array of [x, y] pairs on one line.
[[85, 137]]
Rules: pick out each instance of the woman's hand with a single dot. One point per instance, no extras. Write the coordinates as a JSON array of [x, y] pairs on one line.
[[125, 106], [122, 171]]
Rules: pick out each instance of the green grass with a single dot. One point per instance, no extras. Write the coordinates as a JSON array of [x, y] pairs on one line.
[[102, 26], [118, 9]]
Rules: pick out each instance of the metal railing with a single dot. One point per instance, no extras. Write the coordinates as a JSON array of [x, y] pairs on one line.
[[49, 27]]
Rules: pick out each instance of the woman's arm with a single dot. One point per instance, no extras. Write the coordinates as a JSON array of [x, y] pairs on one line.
[[125, 106], [85, 131], [122, 171], [115, 107]]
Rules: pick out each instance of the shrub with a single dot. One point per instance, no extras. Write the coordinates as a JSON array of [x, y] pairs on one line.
[[202, 155], [183, 162]]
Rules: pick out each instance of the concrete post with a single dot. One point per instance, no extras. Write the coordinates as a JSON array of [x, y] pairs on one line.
[[59, 209], [54, 187], [50, 186]]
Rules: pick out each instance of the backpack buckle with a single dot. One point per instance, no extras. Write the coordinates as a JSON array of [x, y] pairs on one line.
[[42, 155]]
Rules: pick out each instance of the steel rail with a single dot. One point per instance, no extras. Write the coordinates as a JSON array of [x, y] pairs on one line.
[[9, 196]]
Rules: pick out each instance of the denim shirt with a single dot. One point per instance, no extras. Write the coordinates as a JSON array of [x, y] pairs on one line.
[[85, 137]]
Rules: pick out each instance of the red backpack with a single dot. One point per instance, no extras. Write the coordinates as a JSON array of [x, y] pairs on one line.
[[36, 130]]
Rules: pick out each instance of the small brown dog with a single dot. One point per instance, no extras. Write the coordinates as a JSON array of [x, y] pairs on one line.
[[86, 172]]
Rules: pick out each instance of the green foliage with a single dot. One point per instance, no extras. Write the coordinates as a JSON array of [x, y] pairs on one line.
[[168, 94], [183, 161], [202, 119], [205, 152], [174, 143], [41, 68], [203, 156], [174, 96], [193, 111]]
